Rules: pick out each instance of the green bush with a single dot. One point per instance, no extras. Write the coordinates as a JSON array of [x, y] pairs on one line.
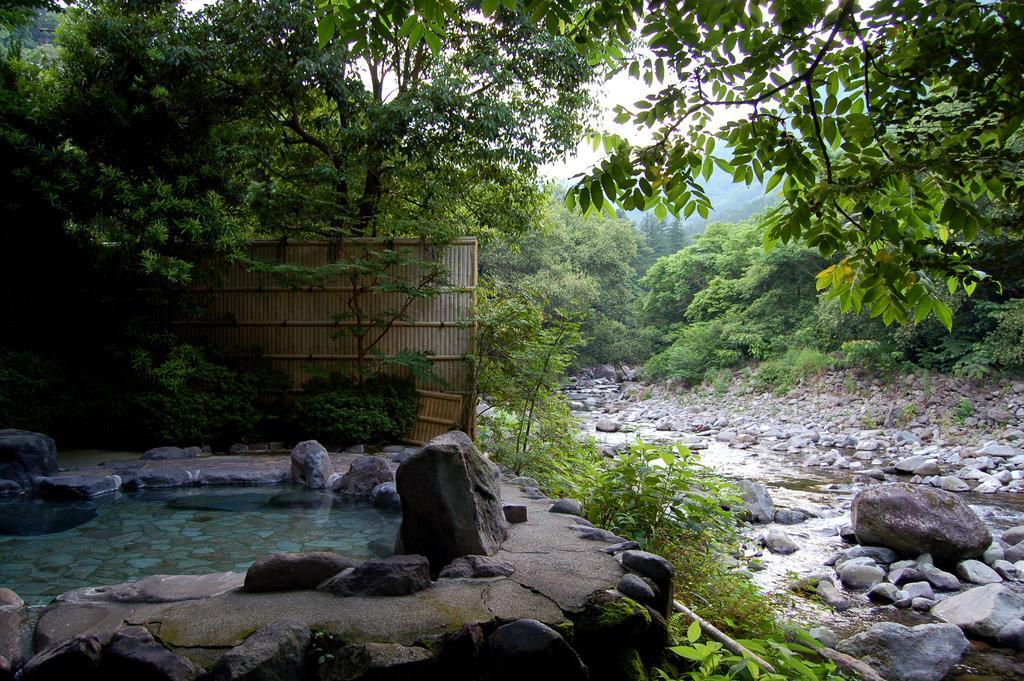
[[186, 398], [31, 391], [872, 356], [335, 409], [794, 368]]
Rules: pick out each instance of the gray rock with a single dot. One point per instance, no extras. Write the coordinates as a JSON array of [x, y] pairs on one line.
[[993, 553], [658, 570], [363, 475], [912, 519], [1015, 552], [521, 648], [274, 653], [163, 453], [394, 576], [477, 567], [570, 506], [162, 476], [940, 579], [636, 588], [382, 662], [1014, 535], [832, 596], [903, 575], [923, 653], [451, 502], [859, 577], [26, 456], [293, 571], [885, 592], [133, 653], [1012, 635], [790, 516], [976, 572], [824, 636], [596, 534], [12, 635], [919, 590], [607, 426], [84, 486], [1006, 570], [385, 495], [76, 658], [243, 475], [982, 611], [951, 483], [779, 542], [758, 502], [921, 604], [620, 547], [879, 554], [311, 465]]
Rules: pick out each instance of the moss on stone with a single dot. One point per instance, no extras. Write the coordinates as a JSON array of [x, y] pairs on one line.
[[621, 665], [610, 616]]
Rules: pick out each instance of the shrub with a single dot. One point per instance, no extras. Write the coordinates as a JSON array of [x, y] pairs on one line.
[[872, 356], [31, 390], [337, 410], [963, 410], [794, 368]]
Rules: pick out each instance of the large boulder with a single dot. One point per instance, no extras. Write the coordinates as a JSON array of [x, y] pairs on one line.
[[914, 519], [77, 658], [982, 611], [394, 576], [292, 571], [922, 653], [311, 465], [759, 505], [363, 476], [83, 486], [133, 653], [26, 456], [381, 662], [274, 653], [164, 453], [451, 502], [530, 649]]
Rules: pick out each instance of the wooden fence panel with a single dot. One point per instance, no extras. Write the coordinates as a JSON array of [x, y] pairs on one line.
[[302, 327]]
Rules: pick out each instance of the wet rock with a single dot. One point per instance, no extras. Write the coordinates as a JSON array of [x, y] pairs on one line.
[[951, 483], [917, 590], [385, 495], [84, 486], [779, 542], [608, 426], [885, 592], [832, 597], [274, 653], [515, 513], [133, 653], [879, 554], [382, 662], [293, 571], [976, 572], [911, 519], [311, 465], [1015, 552], [477, 567], [1006, 570], [243, 475], [1013, 535], [570, 506], [363, 475], [758, 502], [394, 576], [157, 477], [922, 653], [940, 579], [658, 570], [790, 516], [451, 502], [824, 636], [903, 575], [523, 648], [26, 456], [636, 588], [77, 658], [1012, 635], [12, 618], [164, 453], [982, 611], [859, 577]]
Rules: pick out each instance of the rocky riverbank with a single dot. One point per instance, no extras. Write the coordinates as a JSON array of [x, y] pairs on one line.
[[802, 459]]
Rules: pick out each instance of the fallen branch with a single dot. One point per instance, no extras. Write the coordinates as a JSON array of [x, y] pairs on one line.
[[844, 661], [732, 645]]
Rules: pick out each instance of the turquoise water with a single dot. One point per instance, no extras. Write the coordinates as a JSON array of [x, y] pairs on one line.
[[47, 547]]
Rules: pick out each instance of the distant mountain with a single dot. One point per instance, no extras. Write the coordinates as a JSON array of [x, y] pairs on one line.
[[731, 202]]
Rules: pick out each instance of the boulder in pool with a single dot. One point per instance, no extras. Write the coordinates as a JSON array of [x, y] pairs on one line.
[[84, 486], [915, 519], [26, 456], [363, 476], [293, 571], [899, 653], [311, 464], [451, 502], [982, 611]]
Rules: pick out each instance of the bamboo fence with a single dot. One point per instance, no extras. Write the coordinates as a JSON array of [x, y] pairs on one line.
[[303, 327]]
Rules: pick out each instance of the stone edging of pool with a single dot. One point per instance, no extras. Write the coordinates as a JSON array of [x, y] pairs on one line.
[[558, 610]]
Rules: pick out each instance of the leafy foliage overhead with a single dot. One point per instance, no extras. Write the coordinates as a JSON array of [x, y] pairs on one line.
[[891, 128]]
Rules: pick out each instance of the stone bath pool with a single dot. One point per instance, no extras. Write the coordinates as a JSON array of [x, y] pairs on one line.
[[49, 547]]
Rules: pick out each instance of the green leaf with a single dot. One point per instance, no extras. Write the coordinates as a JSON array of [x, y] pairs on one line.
[[693, 632], [325, 29], [943, 314]]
